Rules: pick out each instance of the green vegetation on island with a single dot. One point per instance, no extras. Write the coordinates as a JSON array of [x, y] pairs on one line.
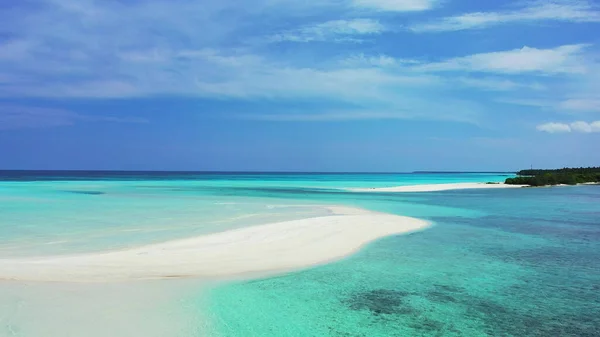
[[566, 176]]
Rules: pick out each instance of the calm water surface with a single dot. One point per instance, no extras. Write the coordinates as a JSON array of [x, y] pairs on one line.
[[515, 262], [498, 263]]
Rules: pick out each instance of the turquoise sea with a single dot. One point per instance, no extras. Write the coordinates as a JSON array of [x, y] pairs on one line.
[[502, 262]]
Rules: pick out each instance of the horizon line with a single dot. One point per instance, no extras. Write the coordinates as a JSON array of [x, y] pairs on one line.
[[233, 171]]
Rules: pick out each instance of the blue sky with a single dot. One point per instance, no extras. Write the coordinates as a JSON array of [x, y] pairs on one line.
[[332, 85]]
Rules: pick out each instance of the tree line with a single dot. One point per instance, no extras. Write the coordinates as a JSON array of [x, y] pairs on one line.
[[566, 176]]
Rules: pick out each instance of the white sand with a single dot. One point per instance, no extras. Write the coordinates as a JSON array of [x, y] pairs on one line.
[[254, 250], [128, 309], [435, 187]]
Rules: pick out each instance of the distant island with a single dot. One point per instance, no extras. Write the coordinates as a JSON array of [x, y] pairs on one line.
[[564, 176], [463, 172]]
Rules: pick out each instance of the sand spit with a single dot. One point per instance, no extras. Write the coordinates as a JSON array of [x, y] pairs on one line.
[[436, 187], [264, 249]]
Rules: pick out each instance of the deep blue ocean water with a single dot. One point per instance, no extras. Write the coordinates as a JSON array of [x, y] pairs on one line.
[[502, 262]]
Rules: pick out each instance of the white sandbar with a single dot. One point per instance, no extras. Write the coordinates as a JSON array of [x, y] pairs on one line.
[[435, 187], [261, 249]]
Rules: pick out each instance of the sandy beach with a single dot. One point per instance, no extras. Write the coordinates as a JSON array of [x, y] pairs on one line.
[[261, 249], [435, 187]]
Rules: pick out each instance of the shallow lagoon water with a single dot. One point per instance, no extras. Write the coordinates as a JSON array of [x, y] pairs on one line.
[[497, 262], [506, 263], [67, 212]]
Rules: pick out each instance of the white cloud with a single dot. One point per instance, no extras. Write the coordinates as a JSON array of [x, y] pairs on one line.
[[16, 117], [19, 117], [591, 105], [565, 10], [448, 110], [563, 59], [269, 80], [337, 30], [375, 92], [585, 127], [554, 128], [380, 60], [495, 84], [579, 126], [183, 48], [15, 49], [6, 79], [396, 5], [206, 72], [330, 116], [538, 103], [552, 103]]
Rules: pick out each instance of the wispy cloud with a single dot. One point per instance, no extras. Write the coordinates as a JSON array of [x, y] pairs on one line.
[[571, 94], [21, 117], [155, 48], [547, 10], [329, 116], [496, 84], [563, 59], [585, 127], [379, 60], [178, 48], [336, 31], [527, 102], [396, 5], [581, 105], [414, 108], [579, 126], [15, 117], [567, 106], [209, 73], [268, 80], [15, 49]]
